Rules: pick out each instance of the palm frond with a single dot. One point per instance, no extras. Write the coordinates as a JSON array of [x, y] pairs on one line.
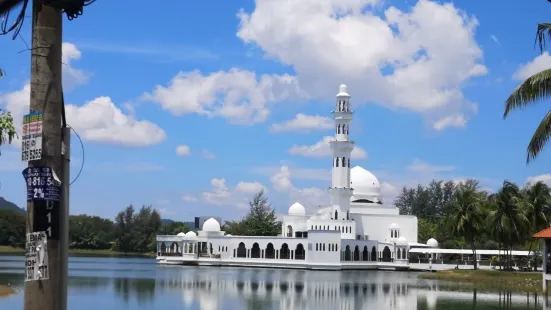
[[535, 88], [540, 138], [544, 30]]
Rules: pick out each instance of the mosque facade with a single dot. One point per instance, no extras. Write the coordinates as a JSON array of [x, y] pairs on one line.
[[356, 230]]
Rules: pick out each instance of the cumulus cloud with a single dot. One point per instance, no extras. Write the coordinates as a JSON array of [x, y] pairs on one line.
[[322, 149], [304, 123], [420, 166], [545, 178], [310, 197], [208, 155], [183, 150], [222, 195], [540, 63], [238, 95], [72, 77], [417, 60], [98, 120]]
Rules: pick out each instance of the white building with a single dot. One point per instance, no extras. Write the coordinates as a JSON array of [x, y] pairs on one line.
[[354, 231]]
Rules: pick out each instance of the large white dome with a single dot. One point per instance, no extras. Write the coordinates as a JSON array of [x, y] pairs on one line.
[[297, 209], [211, 225], [364, 182]]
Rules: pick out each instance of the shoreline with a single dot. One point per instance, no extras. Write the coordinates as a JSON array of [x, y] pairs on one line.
[[6, 291], [80, 252], [521, 282]]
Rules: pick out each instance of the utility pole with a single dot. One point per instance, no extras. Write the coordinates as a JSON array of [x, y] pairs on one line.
[[44, 268]]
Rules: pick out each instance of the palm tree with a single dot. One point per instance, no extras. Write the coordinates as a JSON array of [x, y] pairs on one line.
[[465, 218], [538, 200], [533, 89], [508, 217]]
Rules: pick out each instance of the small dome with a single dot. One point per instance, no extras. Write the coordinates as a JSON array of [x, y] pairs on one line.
[[394, 226], [343, 91], [211, 225], [191, 235], [181, 234], [228, 235], [402, 241], [364, 182], [432, 243], [297, 209]]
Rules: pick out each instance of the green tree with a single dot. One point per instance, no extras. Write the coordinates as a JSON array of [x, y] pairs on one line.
[[533, 89], [12, 228], [538, 201], [235, 228], [261, 219], [90, 232], [466, 219], [7, 129], [136, 232], [124, 230], [174, 228]]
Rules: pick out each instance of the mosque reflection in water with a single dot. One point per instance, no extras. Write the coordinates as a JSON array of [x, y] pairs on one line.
[[210, 289]]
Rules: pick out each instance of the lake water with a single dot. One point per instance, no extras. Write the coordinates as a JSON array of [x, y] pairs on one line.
[[138, 283]]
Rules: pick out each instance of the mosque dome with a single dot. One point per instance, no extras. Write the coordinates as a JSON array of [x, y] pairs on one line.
[[211, 225], [432, 243], [181, 234], [364, 182], [190, 235], [402, 241], [297, 209]]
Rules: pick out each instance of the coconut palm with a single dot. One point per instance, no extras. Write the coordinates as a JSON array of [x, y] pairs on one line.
[[465, 217], [538, 201], [533, 89], [508, 218]]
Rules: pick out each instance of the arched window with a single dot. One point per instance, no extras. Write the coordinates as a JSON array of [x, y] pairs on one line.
[[343, 162], [317, 246], [337, 162], [349, 163], [289, 231], [338, 129], [336, 214], [324, 246]]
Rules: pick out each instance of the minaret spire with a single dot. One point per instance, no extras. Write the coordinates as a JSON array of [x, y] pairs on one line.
[[341, 149]]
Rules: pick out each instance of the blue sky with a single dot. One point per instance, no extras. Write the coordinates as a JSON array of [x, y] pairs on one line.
[[189, 106]]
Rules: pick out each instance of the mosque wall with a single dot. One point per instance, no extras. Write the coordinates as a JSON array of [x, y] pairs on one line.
[[324, 247], [377, 227]]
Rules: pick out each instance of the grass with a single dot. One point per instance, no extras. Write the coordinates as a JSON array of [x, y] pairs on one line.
[[79, 252], [506, 280], [6, 291]]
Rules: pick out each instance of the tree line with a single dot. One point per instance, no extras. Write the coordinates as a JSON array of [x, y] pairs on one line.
[[462, 215], [135, 230], [132, 231]]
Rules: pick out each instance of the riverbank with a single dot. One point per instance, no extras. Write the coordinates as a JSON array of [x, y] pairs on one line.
[[507, 280], [80, 252], [6, 291]]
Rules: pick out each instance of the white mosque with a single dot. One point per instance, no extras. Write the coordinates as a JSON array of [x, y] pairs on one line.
[[355, 231]]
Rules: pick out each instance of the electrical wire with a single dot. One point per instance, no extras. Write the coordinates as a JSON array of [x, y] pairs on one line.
[[17, 24], [82, 148]]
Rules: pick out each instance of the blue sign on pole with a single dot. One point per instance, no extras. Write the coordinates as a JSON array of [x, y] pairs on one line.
[[42, 184]]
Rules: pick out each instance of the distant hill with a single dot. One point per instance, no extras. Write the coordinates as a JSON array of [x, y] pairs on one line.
[[166, 221], [8, 205]]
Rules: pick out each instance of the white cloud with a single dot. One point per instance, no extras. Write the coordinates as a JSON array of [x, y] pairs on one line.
[[222, 195], [494, 38], [250, 187], [72, 77], [189, 198], [545, 178], [298, 173], [208, 155], [417, 60], [165, 211], [310, 197], [457, 121], [97, 120], [237, 95], [322, 149], [420, 166], [304, 123], [540, 63], [100, 120], [183, 150]]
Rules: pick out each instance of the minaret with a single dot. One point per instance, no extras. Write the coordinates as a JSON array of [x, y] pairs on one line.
[[341, 148]]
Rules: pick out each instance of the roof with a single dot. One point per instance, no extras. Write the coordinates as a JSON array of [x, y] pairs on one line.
[[544, 234], [468, 251]]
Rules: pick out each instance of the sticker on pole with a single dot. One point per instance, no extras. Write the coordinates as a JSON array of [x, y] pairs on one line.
[[31, 145], [42, 184], [36, 257]]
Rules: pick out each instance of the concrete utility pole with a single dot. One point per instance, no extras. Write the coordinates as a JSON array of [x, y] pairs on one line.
[[46, 97]]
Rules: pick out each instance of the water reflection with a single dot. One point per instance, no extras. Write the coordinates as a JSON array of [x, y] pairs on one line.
[[140, 284]]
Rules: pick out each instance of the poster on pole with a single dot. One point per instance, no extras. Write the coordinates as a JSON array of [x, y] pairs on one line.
[[31, 145], [36, 257], [42, 184]]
